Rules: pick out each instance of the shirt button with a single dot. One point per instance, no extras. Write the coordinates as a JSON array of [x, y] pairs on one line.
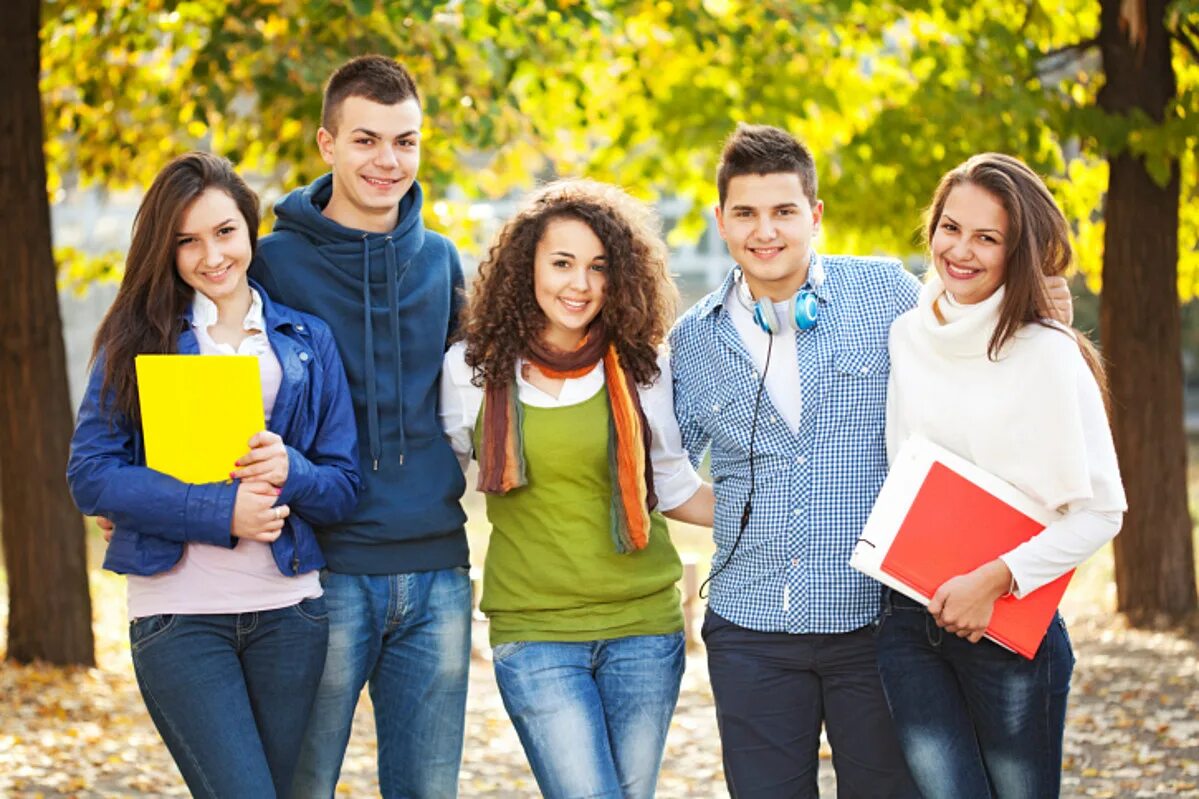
[[796, 512], [303, 356], [865, 370], [794, 561], [716, 408], [801, 459], [774, 420], [300, 328]]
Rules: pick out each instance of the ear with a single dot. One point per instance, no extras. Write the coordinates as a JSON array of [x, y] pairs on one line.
[[324, 143], [720, 221], [817, 215]]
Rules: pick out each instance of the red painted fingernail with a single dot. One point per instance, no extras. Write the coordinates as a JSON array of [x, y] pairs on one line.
[[278, 491], [232, 476]]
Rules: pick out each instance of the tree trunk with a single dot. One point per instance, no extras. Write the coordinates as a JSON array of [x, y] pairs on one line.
[[49, 610], [1140, 324]]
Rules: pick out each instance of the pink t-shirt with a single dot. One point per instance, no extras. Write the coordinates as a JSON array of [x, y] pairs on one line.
[[212, 579]]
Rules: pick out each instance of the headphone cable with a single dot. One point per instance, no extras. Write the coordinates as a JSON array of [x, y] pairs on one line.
[[748, 507]]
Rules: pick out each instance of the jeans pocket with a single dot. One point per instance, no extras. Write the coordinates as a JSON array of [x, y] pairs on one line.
[[501, 652], [1061, 623], [147, 629], [313, 609]]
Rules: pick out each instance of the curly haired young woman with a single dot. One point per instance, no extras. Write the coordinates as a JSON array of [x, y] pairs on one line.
[[561, 391]]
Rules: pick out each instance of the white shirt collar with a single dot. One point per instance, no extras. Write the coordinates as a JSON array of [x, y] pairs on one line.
[[205, 314]]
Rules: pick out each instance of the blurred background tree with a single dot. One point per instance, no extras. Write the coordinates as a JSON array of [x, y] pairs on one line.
[[1101, 96]]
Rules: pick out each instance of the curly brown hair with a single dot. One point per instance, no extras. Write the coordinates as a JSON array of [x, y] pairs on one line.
[[502, 315]]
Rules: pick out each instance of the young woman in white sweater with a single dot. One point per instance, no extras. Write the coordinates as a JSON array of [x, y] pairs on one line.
[[977, 368]]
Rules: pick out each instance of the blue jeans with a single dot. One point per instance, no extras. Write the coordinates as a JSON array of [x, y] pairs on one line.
[[408, 636], [974, 719], [593, 715], [230, 694]]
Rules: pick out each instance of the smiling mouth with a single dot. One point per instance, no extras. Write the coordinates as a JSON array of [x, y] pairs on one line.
[[574, 305], [765, 252], [382, 183], [218, 274], [959, 272]]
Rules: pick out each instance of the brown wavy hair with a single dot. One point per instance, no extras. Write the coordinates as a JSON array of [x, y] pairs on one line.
[[1038, 245], [502, 315], [145, 315]]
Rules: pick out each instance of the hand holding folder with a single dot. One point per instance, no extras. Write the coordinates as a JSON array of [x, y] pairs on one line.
[[939, 516], [198, 412]]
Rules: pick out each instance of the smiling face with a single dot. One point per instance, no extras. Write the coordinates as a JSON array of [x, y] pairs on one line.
[[768, 224], [374, 154], [569, 278], [969, 246], [212, 248]]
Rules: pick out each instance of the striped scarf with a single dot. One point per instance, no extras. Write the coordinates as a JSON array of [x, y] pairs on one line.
[[502, 460]]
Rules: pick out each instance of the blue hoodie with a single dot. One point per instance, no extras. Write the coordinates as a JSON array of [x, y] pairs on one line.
[[391, 300]]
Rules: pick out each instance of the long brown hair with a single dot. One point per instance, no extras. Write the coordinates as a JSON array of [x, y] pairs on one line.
[[1038, 245], [145, 316], [502, 314]]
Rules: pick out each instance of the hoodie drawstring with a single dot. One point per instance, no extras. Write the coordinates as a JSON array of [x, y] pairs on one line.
[[393, 308], [372, 400]]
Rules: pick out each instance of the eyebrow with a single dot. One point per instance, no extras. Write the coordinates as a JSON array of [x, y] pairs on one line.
[[979, 230], [221, 224], [773, 208], [368, 132], [600, 257]]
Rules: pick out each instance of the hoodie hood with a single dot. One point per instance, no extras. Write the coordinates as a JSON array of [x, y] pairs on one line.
[[379, 261]]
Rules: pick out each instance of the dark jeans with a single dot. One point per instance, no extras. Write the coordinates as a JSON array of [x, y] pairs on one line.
[[773, 691], [230, 694], [974, 719]]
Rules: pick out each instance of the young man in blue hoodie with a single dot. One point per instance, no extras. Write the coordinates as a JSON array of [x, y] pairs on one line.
[[351, 249]]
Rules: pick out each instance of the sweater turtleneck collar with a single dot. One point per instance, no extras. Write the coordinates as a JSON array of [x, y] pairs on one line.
[[967, 329]]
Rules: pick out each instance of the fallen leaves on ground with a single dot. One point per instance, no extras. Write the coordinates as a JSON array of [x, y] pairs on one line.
[[1132, 730]]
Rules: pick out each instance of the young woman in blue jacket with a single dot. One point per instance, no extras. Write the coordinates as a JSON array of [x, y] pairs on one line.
[[228, 626]]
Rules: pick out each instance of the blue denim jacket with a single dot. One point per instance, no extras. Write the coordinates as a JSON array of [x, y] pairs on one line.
[[156, 515]]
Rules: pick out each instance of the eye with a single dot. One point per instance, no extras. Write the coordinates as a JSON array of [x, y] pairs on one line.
[[186, 240], [989, 239], [742, 214], [560, 263], [786, 212], [226, 230], [599, 266], [949, 227], [408, 143], [364, 140]]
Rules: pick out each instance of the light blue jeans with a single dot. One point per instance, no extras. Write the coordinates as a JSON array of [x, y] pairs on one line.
[[408, 636], [592, 716]]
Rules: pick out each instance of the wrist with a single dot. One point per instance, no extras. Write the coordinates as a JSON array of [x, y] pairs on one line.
[[998, 578]]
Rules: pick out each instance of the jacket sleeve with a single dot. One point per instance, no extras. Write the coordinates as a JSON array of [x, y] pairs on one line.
[[105, 480], [322, 484]]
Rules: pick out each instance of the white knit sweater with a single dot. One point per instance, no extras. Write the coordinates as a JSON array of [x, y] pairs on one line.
[[1034, 418]]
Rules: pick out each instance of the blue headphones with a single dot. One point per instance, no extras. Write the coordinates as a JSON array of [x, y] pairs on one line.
[[802, 309]]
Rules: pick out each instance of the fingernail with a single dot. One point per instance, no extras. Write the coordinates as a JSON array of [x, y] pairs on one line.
[[278, 491], [232, 475]]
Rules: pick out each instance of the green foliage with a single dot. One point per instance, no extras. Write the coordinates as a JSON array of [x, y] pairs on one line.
[[888, 94]]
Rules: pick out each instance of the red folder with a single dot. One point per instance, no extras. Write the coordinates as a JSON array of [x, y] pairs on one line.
[[953, 527]]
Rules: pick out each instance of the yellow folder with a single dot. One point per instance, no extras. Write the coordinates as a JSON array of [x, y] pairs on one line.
[[198, 412]]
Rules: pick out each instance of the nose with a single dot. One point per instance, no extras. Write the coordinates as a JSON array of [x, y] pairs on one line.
[[386, 157], [765, 228], [579, 277], [212, 253]]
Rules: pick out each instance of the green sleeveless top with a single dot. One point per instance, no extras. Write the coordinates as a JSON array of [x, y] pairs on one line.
[[552, 571]]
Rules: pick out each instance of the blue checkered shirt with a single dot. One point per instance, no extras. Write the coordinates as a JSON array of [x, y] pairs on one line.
[[813, 489]]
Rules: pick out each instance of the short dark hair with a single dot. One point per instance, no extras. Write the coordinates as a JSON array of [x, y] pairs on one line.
[[377, 78], [765, 150]]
